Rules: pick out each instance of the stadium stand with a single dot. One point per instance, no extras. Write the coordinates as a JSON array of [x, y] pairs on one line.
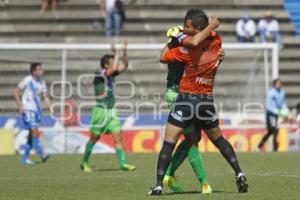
[[146, 22], [293, 7]]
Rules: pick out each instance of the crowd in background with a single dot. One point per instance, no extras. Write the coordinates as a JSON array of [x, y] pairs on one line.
[[267, 29]]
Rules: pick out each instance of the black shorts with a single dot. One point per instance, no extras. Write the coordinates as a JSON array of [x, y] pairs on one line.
[[196, 109], [272, 121]]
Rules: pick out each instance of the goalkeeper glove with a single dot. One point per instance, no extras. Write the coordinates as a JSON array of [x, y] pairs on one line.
[[173, 34], [174, 31]]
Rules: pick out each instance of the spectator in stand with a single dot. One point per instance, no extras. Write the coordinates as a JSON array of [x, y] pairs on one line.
[[114, 14], [44, 6], [246, 29], [269, 30]]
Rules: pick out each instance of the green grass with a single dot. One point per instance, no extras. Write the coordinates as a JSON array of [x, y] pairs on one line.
[[271, 176]]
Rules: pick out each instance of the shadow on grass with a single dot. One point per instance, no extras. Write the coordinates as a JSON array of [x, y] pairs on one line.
[[106, 170], [197, 192]]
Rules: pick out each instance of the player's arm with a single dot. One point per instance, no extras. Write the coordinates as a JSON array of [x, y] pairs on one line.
[[113, 47], [48, 102], [284, 110], [17, 94], [124, 66], [166, 54], [46, 98], [169, 55], [221, 55], [201, 36], [114, 69]]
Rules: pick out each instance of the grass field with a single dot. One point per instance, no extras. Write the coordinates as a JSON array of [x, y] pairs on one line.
[[271, 176]]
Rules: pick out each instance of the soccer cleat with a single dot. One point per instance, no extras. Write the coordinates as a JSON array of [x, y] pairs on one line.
[[241, 183], [171, 182], [206, 189], [27, 162], [127, 167], [45, 158], [85, 167], [155, 191]]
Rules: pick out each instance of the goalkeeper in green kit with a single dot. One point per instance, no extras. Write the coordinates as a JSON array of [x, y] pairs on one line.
[[105, 118], [189, 146]]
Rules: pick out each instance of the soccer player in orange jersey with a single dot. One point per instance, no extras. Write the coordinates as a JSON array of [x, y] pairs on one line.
[[195, 100], [188, 148]]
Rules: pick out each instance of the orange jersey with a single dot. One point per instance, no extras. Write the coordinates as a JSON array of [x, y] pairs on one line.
[[201, 64]]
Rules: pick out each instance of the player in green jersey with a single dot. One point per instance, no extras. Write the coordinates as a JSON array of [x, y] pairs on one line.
[[105, 118]]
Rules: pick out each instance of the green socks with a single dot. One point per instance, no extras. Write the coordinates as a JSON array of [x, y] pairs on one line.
[[88, 150], [121, 156], [195, 159], [178, 157]]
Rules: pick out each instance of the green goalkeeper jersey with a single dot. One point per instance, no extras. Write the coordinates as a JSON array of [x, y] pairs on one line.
[[175, 73], [103, 86]]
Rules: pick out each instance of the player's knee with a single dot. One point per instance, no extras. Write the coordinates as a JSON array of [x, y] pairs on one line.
[[118, 138], [94, 138], [34, 132], [214, 134], [272, 131], [172, 133]]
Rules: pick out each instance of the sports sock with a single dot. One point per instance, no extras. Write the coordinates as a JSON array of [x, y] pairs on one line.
[[196, 162], [179, 156], [88, 150], [37, 146], [228, 153], [164, 159], [121, 156], [28, 147], [26, 154]]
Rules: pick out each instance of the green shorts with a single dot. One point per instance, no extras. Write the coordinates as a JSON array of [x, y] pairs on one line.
[[170, 98], [105, 120]]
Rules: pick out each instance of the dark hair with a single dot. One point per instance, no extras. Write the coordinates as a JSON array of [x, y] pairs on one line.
[[105, 59], [275, 81], [198, 17], [33, 66]]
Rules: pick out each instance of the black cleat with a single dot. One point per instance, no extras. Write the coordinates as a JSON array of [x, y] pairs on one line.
[[155, 191], [241, 183], [45, 158]]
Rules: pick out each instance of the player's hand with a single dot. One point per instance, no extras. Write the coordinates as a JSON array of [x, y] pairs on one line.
[[21, 109], [221, 55], [124, 45], [214, 22], [174, 31]]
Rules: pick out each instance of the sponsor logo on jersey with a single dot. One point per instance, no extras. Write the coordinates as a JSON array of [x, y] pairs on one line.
[[177, 115], [201, 80]]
